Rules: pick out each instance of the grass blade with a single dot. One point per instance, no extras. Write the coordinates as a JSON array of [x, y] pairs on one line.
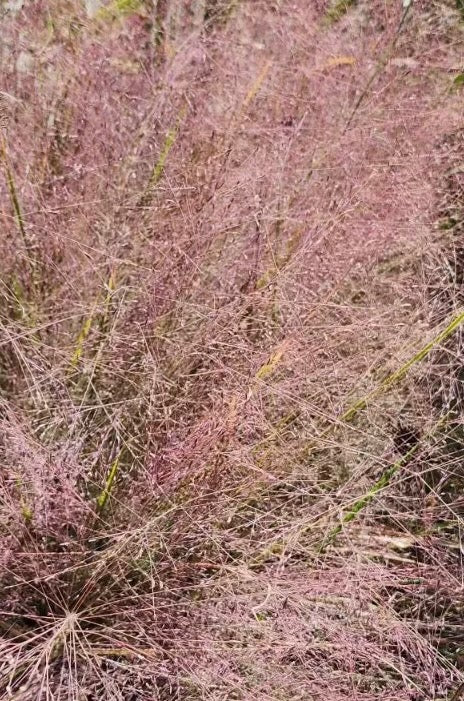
[[109, 483], [399, 374], [383, 481]]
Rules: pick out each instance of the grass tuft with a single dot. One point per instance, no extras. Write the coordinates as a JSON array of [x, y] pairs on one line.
[[211, 485]]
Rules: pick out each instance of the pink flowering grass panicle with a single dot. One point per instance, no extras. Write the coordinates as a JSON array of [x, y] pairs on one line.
[[224, 224]]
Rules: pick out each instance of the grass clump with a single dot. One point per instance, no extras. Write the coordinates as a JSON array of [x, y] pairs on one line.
[[224, 472]]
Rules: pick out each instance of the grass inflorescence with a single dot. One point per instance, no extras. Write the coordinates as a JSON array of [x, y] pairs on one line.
[[231, 351]]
